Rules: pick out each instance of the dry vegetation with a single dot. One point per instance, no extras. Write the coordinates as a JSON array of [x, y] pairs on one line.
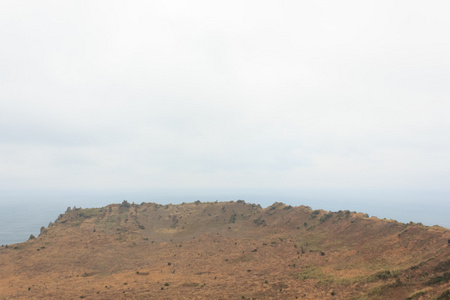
[[230, 250]]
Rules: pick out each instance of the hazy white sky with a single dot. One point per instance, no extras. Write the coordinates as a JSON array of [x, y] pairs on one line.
[[224, 94]]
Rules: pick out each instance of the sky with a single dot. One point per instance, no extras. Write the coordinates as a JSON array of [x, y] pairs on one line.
[[280, 95]]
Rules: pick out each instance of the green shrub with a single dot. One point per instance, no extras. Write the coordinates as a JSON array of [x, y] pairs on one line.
[[439, 279], [382, 275], [444, 296], [325, 217], [125, 204], [260, 221], [232, 218], [315, 213]]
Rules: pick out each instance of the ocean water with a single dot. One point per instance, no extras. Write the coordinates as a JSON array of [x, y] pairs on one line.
[[24, 213]]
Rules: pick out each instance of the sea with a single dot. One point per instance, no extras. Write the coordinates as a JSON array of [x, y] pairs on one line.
[[23, 213]]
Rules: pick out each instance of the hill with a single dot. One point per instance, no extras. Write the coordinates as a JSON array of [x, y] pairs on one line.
[[226, 250]]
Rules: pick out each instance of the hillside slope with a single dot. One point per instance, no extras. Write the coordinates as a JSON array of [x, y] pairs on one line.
[[227, 250]]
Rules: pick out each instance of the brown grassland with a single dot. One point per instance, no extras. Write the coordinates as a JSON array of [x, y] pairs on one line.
[[226, 250]]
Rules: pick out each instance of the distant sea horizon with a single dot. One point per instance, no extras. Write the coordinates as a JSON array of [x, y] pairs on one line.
[[24, 213]]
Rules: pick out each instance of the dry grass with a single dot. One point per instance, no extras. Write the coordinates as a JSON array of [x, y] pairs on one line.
[[216, 250]]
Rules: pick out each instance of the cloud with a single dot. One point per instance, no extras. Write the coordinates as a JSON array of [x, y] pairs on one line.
[[237, 94]]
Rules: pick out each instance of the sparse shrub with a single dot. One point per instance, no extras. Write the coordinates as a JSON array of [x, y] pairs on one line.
[[444, 296], [398, 282], [260, 221], [325, 217], [125, 204], [439, 279], [322, 253], [382, 275], [169, 263], [443, 266], [232, 218], [315, 213], [166, 284]]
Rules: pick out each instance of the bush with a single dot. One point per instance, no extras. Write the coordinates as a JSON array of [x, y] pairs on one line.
[[315, 213], [445, 295], [382, 275], [232, 218], [260, 221], [439, 279], [125, 204], [325, 217]]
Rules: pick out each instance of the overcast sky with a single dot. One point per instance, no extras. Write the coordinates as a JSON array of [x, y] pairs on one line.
[[224, 94]]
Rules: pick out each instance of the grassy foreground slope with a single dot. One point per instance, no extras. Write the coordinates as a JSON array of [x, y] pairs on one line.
[[226, 250]]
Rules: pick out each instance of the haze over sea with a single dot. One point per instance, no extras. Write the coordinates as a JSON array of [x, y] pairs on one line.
[[23, 213]]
